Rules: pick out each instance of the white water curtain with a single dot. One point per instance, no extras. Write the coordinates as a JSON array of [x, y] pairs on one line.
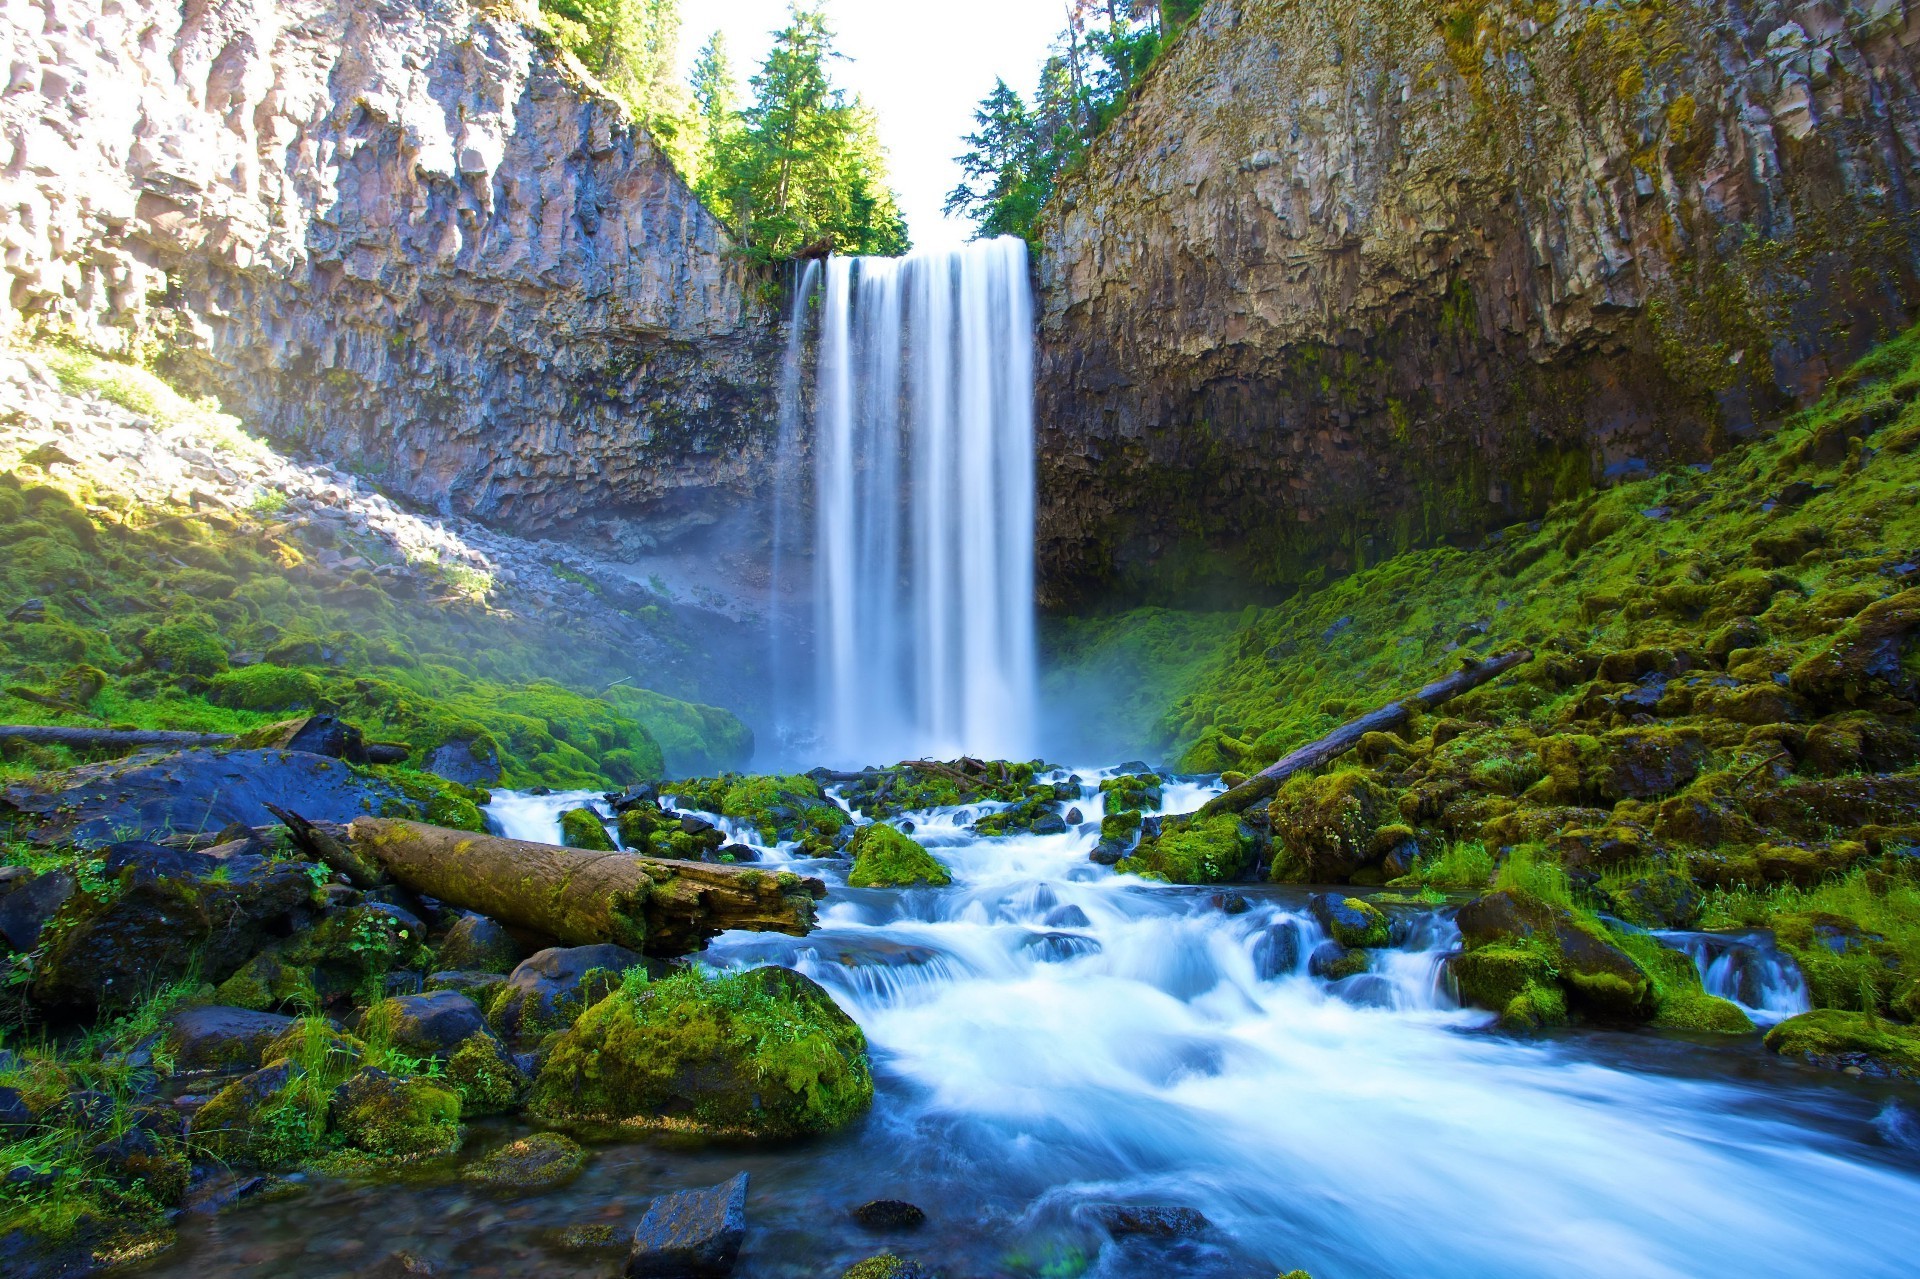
[[924, 506]]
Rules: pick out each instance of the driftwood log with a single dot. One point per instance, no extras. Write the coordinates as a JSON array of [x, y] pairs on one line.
[[89, 739], [658, 907], [1392, 716]]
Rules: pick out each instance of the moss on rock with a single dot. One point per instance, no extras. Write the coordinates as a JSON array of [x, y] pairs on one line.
[[393, 1118], [1841, 1040], [885, 858], [1208, 850], [583, 828], [764, 1053]]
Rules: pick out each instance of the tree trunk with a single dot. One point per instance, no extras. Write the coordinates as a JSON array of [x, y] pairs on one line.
[[661, 908], [1343, 739], [87, 739]]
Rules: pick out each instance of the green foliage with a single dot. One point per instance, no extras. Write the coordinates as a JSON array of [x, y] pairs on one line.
[[1832, 1037], [763, 1053], [801, 163], [1019, 150], [1209, 850], [630, 46], [1463, 866], [694, 740], [1855, 937], [790, 807], [885, 858]]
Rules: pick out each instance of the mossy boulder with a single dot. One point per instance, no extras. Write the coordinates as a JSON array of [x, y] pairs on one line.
[[549, 989], [477, 944], [393, 1118], [1850, 1041], [1326, 826], [764, 1053], [885, 858], [1205, 850], [1871, 663], [485, 1076], [583, 828], [1538, 939], [886, 1266], [1132, 793], [538, 1162], [782, 808], [1351, 921], [240, 1121]]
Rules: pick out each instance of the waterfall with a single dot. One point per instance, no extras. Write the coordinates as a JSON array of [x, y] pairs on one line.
[[783, 675], [923, 506]]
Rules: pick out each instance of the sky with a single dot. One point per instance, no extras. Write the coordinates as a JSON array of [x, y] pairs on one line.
[[923, 67]]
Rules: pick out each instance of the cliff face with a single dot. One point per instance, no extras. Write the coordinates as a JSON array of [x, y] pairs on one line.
[[1353, 276], [403, 233]]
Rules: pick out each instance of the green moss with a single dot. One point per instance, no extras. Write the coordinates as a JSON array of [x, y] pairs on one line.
[[1210, 850], [583, 828], [189, 646], [484, 1077], [788, 807], [1326, 825], [1830, 1037], [885, 858], [695, 740], [541, 1161], [391, 1118], [764, 1053]]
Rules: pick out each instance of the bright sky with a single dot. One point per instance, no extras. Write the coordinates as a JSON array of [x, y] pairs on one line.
[[922, 66]]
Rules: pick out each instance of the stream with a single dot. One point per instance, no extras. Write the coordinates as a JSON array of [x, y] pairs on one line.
[[1051, 1040]]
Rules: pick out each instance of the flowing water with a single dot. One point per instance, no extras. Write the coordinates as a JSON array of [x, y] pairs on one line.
[[1050, 1039], [923, 506]]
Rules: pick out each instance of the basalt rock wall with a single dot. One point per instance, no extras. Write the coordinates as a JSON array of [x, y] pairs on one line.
[[1351, 277], [406, 234]]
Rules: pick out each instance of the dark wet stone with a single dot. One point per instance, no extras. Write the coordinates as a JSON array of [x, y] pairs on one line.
[[889, 1214], [1075, 816], [1106, 855], [1331, 962], [30, 901], [1151, 1221], [695, 1234], [434, 1025], [477, 986], [1068, 916], [457, 762], [739, 853], [548, 989], [596, 1237], [538, 1162], [1229, 903], [1053, 948], [14, 1114], [1276, 952], [1048, 824], [476, 943], [217, 1038]]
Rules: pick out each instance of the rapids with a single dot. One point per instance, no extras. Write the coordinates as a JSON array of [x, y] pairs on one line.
[[1050, 1039]]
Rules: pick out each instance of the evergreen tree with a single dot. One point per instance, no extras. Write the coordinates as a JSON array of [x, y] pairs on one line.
[[629, 45]]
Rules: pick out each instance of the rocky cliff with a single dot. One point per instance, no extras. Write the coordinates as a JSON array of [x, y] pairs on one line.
[[1350, 277], [404, 233]]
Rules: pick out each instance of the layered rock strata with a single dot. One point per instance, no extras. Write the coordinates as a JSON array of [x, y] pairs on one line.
[[1350, 277], [406, 234]]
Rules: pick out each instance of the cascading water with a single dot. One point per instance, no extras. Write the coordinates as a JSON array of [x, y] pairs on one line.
[[923, 506], [1747, 969], [781, 667]]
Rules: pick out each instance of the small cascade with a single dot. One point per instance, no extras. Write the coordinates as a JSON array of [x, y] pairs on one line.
[[924, 506], [1749, 970]]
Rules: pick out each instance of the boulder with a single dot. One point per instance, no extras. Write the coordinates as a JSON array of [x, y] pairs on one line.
[[1327, 826], [430, 1025], [1852, 1042], [889, 1214], [481, 988], [231, 1126], [539, 1162], [216, 1038], [886, 1266], [693, 1234], [166, 913], [763, 1053], [1870, 663], [1350, 921], [1152, 1221], [548, 990], [30, 902], [470, 763], [885, 858], [394, 1118], [583, 828]]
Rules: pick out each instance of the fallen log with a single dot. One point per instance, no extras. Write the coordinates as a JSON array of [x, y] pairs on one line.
[[91, 739], [1343, 739], [658, 907]]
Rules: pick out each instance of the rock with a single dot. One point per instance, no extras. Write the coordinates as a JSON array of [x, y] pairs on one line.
[[28, 612], [583, 828], [549, 989], [481, 988], [539, 1162], [693, 1234], [1053, 948], [1049, 824], [1068, 916], [1870, 663], [466, 762], [889, 1214], [394, 1118], [431, 1025], [1350, 921], [193, 790], [1333, 962], [764, 1053], [1276, 952], [1229, 903], [311, 734], [488, 1078], [14, 1114], [1851, 1042], [171, 912], [30, 901], [210, 1037], [886, 1266], [884, 858], [1326, 827], [137, 1157], [1154, 1222], [229, 1126], [1107, 855]]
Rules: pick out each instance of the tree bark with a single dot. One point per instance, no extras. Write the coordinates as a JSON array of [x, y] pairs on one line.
[[659, 907], [85, 739], [1343, 739]]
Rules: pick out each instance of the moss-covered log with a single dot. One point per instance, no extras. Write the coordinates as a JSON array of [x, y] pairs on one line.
[[661, 908], [1343, 739], [106, 739]]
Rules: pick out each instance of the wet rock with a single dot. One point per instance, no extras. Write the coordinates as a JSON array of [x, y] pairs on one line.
[[1068, 916], [549, 989], [432, 1025], [1074, 816], [1351, 922], [737, 853], [694, 1234], [312, 734], [1107, 855], [1854, 1043], [477, 944], [1154, 1222], [394, 1118], [585, 829], [1048, 824], [1326, 827], [1229, 903], [889, 1214], [226, 1126], [886, 1266], [211, 1037], [1333, 962], [192, 790], [480, 987], [466, 762], [140, 1157], [539, 1162], [169, 912], [1276, 952], [1054, 948], [30, 901], [885, 858]]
